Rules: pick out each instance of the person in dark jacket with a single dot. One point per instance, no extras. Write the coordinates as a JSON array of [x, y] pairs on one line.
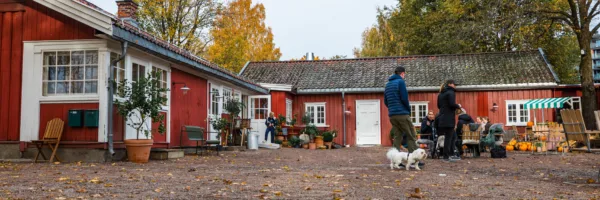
[[463, 118], [427, 126], [446, 120], [396, 100], [271, 122]]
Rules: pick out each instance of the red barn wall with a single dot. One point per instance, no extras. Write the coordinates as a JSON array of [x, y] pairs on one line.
[[51, 111], [28, 21], [278, 102], [189, 109], [333, 110]]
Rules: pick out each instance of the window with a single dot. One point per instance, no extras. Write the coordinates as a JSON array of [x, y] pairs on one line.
[[214, 105], [238, 96], [162, 79], [516, 113], [70, 73], [288, 110], [576, 103], [137, 71], [227, 95], [118, 72], [316, 111], [418, 111]]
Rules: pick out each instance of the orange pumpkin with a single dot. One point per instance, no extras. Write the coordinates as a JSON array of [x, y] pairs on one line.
[[543, 138], [559, 149], [523, 147], [464, 147], [531, 148], [529, 124], [510, 148]]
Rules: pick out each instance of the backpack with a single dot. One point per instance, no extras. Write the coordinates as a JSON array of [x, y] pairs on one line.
[[498, 152]]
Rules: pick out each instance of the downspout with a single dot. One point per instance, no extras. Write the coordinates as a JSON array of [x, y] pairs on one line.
[[109, 110], [344, 115]]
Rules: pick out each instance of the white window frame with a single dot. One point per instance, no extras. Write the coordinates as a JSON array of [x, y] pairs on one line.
[[224, 98], [167, 106], [219, 102], [574, 100], [419, 116], [518, 113], [237, 95], [288, 109], [315, 114], [69, 78], [115, 76]]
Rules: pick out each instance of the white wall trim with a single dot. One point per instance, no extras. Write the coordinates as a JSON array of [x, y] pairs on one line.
[[82, 13]]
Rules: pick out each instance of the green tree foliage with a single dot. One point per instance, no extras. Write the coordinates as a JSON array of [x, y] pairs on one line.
[[184, 23], [416, 27]]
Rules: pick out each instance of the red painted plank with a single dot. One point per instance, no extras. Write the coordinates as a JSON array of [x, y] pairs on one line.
[[51, 111], [189, 109], [15, 78], [5, 54]]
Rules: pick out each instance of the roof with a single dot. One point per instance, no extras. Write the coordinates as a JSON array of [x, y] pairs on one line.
[[481, 70], [124, 30]]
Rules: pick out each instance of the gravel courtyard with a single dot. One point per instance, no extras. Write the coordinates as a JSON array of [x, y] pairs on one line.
[[351, 173]]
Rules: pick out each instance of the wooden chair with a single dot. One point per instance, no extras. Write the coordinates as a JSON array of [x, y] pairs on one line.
[[195, 133], [574, 126], [54, 130]]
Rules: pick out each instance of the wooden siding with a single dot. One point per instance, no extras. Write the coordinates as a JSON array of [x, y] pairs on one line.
[[188, 109], [28, 21], [476, 104], [278, 102], [51, 111], [157, 136]]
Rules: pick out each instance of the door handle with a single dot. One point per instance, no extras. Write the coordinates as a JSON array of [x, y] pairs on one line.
[[377, 123]]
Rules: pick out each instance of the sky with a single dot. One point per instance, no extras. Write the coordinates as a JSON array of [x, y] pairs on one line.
[[323, 27]]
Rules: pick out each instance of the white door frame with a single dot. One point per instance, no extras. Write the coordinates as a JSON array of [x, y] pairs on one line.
[[378, 118], [262, 121]]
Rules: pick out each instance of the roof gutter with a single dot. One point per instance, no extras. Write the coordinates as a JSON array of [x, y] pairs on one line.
[[154, 48], [434, 89]]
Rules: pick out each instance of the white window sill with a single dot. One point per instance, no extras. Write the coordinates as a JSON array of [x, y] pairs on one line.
[[516, 124], [66, 99]]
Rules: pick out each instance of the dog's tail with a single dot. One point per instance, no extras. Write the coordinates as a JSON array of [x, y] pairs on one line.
[[390, 154]]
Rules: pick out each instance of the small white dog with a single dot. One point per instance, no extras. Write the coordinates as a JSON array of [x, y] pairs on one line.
[[396, 157]]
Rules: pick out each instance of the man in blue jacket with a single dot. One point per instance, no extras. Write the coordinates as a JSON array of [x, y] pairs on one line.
[[396, 100]]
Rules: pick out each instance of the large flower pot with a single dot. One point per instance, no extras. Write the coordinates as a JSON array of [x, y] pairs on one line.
[[280, 138], [138, 151], [305, 146], [312, 146], [319, 141]]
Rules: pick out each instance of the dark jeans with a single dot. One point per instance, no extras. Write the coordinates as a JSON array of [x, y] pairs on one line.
[[449, 141], [272, 131], [404, 125]]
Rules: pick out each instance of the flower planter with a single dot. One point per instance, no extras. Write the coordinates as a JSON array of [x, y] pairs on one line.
[[312, 146], [305, 146], [319, 141], [280, 138], [138, 151], [328, 144]]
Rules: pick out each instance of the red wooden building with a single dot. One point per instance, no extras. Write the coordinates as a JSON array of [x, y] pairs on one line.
[[56, 56], [347, 95]]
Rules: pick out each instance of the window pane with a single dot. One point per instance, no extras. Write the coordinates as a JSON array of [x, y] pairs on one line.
[[48, 88], [49, 58], [91, 87], [51, 73], [91, 72], [77, 57], [77, 73], [62, 88], [91, 57], [121, 75], [134, 72], [63, 57], [77, 87], [62, 73]]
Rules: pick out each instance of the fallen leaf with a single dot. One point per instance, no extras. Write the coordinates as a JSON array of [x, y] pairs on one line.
[[188, 188], [169, 174], [157, 190], [63, 179], [56, 163], [95, 180], [307, 188], [337, 191], [263, 191], [81, 190], [108, 185], [277, 193], [418, 196]]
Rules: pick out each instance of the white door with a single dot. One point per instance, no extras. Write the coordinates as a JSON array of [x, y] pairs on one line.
[[259, 109], [368, 126]]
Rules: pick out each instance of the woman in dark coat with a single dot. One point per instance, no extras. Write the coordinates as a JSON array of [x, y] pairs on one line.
[[446, 120]]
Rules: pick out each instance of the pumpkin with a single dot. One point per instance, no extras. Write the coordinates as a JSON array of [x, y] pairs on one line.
[[512, 142], [510, 148], [523, 147], [543, 138], [529, 124], [559, 149], [464, 147], [531, 148]]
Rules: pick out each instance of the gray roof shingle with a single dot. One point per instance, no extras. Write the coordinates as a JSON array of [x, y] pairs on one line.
[[520, 67]]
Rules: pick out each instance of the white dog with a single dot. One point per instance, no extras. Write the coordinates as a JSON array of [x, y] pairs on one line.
[[396, 157]]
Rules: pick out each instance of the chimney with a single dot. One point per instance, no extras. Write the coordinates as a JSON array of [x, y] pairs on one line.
[[127, 9]]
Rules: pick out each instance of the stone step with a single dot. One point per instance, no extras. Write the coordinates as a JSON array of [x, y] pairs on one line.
[[166, 154]]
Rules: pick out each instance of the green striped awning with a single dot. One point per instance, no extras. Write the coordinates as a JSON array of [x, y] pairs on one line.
[[546, 103]]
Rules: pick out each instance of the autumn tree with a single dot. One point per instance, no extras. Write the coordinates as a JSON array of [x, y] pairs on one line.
[[184, 23], [578, 16], [241, 35], [338, 57], [380, 40]]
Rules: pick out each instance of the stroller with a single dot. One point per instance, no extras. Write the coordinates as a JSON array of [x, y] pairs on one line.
[[490, 140]]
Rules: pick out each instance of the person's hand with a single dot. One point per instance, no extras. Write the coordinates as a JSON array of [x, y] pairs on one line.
[[428, 123]]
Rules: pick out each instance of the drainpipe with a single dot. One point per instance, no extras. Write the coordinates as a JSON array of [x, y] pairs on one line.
[[344, 115], [109, 110]]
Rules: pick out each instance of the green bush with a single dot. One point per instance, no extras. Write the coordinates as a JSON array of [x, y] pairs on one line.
[[329, 135], [277, 141], [294, 141]]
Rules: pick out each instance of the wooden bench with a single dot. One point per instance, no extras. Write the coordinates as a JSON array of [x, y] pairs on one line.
[[196, 133], [574, 127], [54, 129]]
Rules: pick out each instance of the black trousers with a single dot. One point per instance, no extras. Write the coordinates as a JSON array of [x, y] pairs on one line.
[[449, 141]]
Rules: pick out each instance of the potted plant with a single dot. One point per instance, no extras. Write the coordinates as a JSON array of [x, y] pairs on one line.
[[221, 124], [234, 108], [279, 128], [328, 137], [312, 131], [305, 139], [295, 142], [318, 138], [279, 142], [143, 102]]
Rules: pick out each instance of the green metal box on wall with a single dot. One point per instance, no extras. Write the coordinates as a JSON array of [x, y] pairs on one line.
[[75, 118], [91, 118]]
